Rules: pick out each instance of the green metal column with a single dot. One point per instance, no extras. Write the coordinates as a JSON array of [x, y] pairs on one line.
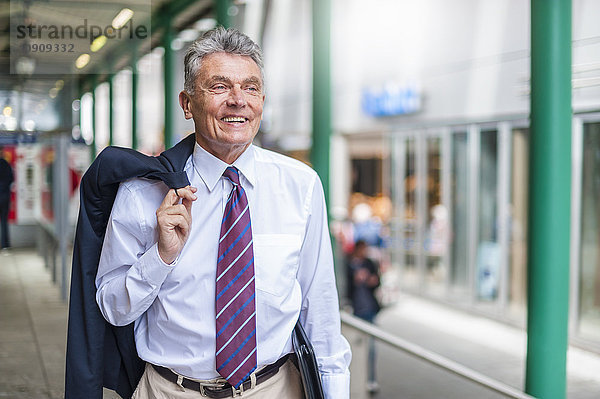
[[549, 202], [111, 114], [321, 109], [168, 68], [93, 145], [222, 12], [134, 86]]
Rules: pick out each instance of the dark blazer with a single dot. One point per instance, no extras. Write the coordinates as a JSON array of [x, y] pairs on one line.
[[98, 353]]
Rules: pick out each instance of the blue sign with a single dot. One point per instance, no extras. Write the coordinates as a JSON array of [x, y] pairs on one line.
[[391, 100]]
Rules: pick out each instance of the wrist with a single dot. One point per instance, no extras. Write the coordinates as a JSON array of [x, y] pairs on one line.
[[168, 259]]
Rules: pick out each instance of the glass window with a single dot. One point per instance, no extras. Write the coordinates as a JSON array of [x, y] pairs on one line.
[[518, 220], [459, 243], [102, 128], [151, 102], [366, 176], [435, 244], [122, 108], [87, 130], [589, 283], [410, 276], [488, 248]]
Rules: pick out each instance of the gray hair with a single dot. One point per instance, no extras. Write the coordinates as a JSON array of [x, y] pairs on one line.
[[218, 40]]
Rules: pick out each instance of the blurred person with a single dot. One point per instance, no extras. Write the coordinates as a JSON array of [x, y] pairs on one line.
[[216, 274], [369, 228], [366, 226], [363, 277], [6, 180]]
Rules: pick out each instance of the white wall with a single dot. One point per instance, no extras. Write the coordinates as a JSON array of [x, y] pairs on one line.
[[470, 57], [287, 51]]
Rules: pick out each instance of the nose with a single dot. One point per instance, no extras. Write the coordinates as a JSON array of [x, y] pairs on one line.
[[236, 97]]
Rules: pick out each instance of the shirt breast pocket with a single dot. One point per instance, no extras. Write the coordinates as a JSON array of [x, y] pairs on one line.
[[276, 258]]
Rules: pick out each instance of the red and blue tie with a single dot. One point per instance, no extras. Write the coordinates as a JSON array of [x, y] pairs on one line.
[[235, 307]]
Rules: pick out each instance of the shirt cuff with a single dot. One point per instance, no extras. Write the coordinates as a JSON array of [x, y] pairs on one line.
[[152, 268], [336, 386]]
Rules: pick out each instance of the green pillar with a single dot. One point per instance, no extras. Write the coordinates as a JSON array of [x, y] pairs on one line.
[[222, 12], [549, 201], [111, 114], [93, 145], [168, 68], [321, 105], [134, 86]]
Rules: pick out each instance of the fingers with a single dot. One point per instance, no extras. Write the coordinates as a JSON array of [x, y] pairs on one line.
[[182, 222], [174, 219], [187, 196], [179, 209], [188, 205], [185, 192], [173, 196]]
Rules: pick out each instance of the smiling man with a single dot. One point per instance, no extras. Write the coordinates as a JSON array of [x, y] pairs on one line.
[[215, 275]]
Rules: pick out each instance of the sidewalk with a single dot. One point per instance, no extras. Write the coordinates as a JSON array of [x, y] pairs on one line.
[[493, 349], [33, 326], [33, 323]]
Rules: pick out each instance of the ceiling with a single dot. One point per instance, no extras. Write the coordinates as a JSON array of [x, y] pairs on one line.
[[51, 34]]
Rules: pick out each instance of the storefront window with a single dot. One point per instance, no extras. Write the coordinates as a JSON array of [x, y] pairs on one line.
[[518, 220], [410, 243], [459, 244], [589, 284], [488, 248], [122, 108], [102, 128], [435, 244], [150, 102]]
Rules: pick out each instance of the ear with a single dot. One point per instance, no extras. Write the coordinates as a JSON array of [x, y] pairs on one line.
[[184, 103]]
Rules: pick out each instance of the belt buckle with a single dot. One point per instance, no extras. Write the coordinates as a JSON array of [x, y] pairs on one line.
[[237, 392], [208, 388]]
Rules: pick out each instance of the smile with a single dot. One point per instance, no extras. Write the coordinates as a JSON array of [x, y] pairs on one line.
[[234, 119]]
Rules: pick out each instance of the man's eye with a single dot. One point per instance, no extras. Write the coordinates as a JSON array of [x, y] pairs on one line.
[[219, 87], [252, 89]]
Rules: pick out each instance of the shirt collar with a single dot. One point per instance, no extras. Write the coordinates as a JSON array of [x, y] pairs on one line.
[[210, 168]]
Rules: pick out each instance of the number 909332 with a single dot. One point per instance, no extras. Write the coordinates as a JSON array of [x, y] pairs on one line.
[[48, 47]]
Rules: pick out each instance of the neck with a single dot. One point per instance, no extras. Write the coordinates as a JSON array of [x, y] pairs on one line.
[[226, 153]]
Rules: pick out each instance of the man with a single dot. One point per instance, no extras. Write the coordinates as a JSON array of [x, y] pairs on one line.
[[216, 274], [6, 179]]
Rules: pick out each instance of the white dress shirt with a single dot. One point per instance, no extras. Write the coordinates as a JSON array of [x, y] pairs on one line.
[[173, 306]]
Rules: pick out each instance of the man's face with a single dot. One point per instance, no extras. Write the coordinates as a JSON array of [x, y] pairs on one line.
[[227, 104]]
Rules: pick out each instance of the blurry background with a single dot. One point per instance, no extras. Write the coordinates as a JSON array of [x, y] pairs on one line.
[[429, 136]]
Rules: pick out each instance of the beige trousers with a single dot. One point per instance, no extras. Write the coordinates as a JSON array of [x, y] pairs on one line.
[[286, 384]]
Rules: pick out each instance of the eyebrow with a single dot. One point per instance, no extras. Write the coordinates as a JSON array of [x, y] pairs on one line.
[[220, 78], [253, 80]]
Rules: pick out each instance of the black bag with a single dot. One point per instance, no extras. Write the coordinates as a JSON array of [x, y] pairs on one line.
[[307, 364]]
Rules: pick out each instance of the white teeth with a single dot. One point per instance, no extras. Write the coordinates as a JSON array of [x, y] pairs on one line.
[[234, 119]]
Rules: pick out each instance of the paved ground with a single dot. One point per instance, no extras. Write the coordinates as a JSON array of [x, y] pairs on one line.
[[33, 330], [491, 348], [33, 323]]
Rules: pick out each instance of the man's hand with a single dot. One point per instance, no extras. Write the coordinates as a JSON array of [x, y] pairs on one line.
[[174, 221]]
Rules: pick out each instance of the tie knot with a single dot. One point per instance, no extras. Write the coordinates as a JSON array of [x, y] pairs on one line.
[[232, 174]]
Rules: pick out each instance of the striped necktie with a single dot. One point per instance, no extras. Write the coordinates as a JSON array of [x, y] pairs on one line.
[[235, 307]]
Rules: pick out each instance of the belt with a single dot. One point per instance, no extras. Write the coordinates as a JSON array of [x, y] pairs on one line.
[[222, 390]]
